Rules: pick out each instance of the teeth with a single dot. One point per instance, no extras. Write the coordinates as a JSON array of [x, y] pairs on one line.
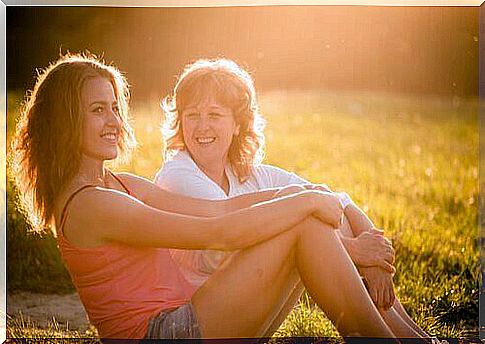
[[110, 136], [205, 140]]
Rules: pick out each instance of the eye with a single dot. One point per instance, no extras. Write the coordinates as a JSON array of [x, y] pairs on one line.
[[192, 115], [116, 109], [98, 109], [215, 115]]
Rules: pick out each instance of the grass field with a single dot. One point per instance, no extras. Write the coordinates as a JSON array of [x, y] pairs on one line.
[[410, 162]]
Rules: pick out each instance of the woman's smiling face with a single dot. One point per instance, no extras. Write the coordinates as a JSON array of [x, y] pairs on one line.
[[101, 123], [208, 129]]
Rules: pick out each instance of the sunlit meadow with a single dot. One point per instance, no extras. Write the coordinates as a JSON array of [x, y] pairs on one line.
[[410, 162]]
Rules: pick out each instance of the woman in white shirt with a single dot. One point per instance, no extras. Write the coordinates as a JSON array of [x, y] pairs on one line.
[[215, 142]]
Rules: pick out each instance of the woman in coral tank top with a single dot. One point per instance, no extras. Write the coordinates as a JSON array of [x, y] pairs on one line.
[[114, 230]]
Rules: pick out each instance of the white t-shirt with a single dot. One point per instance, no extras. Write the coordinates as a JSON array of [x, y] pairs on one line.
[[181, 175]]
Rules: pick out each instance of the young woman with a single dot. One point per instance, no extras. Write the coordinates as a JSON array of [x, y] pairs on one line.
[[215, 142], [114, 230]]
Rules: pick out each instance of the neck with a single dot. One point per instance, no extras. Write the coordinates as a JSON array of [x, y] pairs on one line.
[[216, 172], [91, 171]]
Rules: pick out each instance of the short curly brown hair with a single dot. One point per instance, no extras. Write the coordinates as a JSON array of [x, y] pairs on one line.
[[233, 87]]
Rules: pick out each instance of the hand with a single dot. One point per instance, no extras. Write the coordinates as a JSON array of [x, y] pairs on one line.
[[380, 286], [371, 249], [328, 208]]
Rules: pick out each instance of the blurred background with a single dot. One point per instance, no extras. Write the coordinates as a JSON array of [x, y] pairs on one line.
[[378, 101], [419, 50]]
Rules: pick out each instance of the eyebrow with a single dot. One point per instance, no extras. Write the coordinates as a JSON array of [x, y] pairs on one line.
[[102, 102], [213, 107]]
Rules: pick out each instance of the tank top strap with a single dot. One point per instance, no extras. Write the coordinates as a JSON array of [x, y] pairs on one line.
[[64, 210], [118, 179]]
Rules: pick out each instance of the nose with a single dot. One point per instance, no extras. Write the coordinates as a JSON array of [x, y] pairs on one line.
[[114, 118], [203, 122]]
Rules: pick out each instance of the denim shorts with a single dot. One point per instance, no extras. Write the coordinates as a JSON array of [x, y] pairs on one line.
[[178, 323]]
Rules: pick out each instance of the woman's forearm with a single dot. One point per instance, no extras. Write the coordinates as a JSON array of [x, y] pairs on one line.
[[357, 219], [225, 229], [359, 222], [159, 198], [232, 231], [205, 208], [264, 220]]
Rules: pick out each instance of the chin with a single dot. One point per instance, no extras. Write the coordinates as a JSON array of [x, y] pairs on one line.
[[111, 156]]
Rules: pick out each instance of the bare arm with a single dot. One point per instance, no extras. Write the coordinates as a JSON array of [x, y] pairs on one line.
[[156, 197], [367, 246], [359, 222], [122, 219]]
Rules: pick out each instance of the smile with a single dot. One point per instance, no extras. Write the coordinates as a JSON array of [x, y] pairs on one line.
[[205, 140], [110, 136]]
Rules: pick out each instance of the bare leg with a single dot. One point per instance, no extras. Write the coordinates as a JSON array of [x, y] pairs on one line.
[[397, 324], [240, 296], [396, 317], [281, 311], [405, 316], [288, 297]]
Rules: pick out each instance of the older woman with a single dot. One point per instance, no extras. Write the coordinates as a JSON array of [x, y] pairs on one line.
[[214, 150], [114, 230]]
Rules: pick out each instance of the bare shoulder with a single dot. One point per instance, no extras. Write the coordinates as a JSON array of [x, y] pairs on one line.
[[96, 213], [83, 213], [91, 201]]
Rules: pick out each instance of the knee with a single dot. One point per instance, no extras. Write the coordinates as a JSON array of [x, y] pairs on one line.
[[310, 226], [308, 229]]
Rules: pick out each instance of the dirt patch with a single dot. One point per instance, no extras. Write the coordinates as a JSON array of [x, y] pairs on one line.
[[42, 308]]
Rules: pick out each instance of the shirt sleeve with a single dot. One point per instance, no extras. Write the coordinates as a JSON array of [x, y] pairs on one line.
[[269, 176], [181, 178]]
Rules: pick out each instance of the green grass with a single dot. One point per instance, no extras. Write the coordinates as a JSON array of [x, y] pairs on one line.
[[21, 327], [410, 162]]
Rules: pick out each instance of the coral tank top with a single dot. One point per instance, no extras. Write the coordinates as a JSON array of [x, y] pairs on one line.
[[123, 286]]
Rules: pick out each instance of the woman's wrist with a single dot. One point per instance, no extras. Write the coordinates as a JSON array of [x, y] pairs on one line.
[[310, 200], [344, 199]]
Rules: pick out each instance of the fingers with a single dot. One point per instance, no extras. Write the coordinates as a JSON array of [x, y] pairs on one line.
[[383, 297], [374, 296], [388, 255], [393, 255], [392, 297], [379, 297], [380, 287], [386, 298], [389, 297], [387, 267], [377, 231], [323, 187]]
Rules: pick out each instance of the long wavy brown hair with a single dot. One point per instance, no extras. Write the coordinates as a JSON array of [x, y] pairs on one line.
[[46, 149], [231, 86]]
